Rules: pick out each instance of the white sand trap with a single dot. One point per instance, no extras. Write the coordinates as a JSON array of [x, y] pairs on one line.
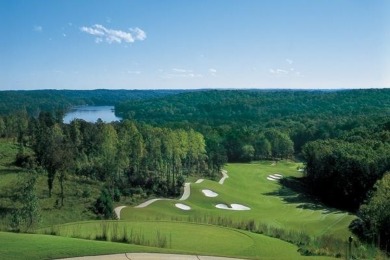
[[199, 181], [274, 177], [182, 206], [232, 207], [210, 193], [301, 170]]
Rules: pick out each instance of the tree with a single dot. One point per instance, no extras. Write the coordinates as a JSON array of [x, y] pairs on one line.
[[28, 214], [104, 206], [262, 148], [247, 153], [375, 213]]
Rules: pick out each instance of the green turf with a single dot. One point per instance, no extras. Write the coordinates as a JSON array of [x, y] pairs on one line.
[[192, 238], [31, 246], [270, 203]]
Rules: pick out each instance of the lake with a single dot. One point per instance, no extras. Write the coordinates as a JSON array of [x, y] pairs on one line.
[[92, 114]]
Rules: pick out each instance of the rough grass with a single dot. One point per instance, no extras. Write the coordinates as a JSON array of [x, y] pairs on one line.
[[77, 205]]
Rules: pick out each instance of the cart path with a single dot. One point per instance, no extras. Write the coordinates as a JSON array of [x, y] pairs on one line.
[[186, 195]]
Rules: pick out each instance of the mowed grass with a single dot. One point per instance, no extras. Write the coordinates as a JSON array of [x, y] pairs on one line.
[[271, 203], [192, 238], [32, 246]]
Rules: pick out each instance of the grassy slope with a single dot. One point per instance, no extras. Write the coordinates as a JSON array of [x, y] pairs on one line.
[[32, 246], [270, 203], [192, 238]]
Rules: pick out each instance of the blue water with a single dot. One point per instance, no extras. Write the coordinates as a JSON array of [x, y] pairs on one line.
[[92, 114]]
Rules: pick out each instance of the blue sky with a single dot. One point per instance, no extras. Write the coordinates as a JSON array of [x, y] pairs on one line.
[[145, 44]]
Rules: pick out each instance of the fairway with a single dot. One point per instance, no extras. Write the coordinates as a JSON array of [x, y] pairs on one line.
[[269, 202]]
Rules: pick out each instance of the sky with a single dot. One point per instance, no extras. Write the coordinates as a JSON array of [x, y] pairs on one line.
[[193, 44]]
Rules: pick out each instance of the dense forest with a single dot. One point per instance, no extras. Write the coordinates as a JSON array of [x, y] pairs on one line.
[[33, 102], [342, 136]]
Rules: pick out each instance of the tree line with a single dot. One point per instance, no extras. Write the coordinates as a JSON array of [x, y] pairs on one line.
[[128, 157]]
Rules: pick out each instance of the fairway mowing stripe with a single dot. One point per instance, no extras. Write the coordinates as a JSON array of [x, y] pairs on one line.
[[333, 224]]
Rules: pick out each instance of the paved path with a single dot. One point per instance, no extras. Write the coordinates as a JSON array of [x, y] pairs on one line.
[[117, 211], [199, 181], [148, 202], [149, 256], [224, 176], [187, 191]]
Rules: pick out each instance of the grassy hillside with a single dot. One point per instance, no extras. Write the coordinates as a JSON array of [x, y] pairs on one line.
[[192, 238], [270, 203], [32, 246]]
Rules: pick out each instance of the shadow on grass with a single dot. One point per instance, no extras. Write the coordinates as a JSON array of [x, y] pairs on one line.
[[292, 190], [11, 171]]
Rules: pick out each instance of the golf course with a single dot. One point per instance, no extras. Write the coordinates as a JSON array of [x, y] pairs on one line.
[[257, 216]]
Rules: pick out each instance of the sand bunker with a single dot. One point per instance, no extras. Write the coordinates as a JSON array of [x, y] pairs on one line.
[[182, 206], [274, 177], [199, 181], [232, 207], [210, 193]]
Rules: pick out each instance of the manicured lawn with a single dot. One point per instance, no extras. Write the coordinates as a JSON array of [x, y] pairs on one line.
[[270, 203], [188, 237], [31, 246]]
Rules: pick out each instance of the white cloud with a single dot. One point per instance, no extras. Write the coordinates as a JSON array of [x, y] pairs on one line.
[[213, 72], [37, 28], [114, 36], [278, 71], [181, 70], [289, 61], [139, 34]]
